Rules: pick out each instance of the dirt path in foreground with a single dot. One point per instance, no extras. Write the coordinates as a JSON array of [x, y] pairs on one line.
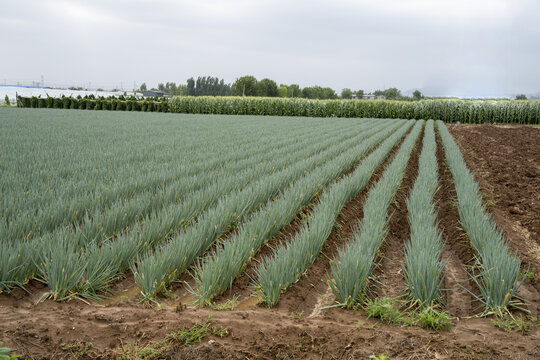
[[40, 332]]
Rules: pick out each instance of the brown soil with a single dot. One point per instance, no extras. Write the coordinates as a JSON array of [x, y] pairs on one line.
[[506, 163], [508, 172], [311, 292], [312, 289], [243, 285], [457, 253], [390, 270]]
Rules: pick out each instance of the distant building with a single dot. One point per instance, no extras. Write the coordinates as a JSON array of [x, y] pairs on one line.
[[369, 97], [152, 93]]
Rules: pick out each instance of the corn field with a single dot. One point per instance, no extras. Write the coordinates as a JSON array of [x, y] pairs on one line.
[[450, 111]]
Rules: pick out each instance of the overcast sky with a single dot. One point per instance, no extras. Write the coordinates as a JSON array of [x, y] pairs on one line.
[[454, 47]]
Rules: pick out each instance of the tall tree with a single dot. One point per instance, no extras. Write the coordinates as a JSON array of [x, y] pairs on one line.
[[317, 92], [181, 90], [328, 93], [143, 87], [417, 95], [282, 91], [207, 86], [346, 93], [267, 88], [391, 93], [294, 90], [190, 87], [245, 86], [311, 92]]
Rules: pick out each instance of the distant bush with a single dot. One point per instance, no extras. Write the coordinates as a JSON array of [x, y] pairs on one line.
[[58, 103], [90, 102]]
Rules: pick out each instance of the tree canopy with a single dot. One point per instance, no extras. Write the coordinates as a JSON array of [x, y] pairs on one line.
[[170, 88], [207, 86], [317, 92], [245, 86], [392, 93], [267, 88], [346, 93], [248, 85]]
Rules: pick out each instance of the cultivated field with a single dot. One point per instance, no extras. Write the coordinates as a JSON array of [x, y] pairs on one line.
[[136, 235]]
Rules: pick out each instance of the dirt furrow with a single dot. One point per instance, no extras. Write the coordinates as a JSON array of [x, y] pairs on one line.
[[457, 253], [302, 297], [389, 273], [312, 291]]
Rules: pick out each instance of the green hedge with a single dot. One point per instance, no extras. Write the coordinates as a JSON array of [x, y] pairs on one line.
[[92, 103]]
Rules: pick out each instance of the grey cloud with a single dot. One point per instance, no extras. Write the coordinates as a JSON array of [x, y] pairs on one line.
[[486, 48]]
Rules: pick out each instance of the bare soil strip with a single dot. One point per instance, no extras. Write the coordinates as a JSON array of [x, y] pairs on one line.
[[242, 285], [39, 332], [457, 253], [389, 273]]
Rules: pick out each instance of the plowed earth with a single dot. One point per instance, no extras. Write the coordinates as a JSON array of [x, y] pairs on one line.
[[505, 162]]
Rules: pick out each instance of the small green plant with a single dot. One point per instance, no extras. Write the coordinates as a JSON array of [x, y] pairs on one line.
[[432, 319], [527, 275], [502, 324], [220, 331], [197, 332], [187, 337], [228, 305], [362, 325], [384, 309], [509, 323], [193, 335], [146, 352], [77, 350], [378, 357], [298, 315], [4, 353], [387, 311], [490, 203]]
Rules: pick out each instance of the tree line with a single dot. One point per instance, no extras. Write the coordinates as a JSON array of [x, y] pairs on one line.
[[249, 86]]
